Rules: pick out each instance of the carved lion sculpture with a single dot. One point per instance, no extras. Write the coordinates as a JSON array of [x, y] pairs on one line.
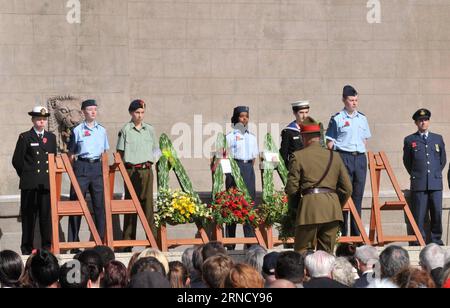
[[65, 114]]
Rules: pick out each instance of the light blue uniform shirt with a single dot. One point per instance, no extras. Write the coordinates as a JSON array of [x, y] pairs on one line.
[[242, 147], [349, 132], [87, 142]]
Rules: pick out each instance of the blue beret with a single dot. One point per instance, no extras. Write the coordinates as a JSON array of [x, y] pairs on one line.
[[349, 91], [237, 111], [136, 104], [88, 103]]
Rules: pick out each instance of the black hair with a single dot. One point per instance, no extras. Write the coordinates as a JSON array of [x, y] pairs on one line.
[[94, 263], [74, 275], [106, 253], [44, 269], [11, 269], [147, 264], [290, 266]]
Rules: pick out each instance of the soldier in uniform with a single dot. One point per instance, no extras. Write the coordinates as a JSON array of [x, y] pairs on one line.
[[424, 158], [244, 149], [31, 163], [347, 134], [320, 177], [138, 146], [291, 140], [88, 142]]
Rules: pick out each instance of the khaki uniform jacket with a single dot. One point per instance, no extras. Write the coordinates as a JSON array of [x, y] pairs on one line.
[[306, 167]]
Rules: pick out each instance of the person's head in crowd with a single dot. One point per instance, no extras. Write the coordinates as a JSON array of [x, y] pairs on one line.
[[244, 276], [106, 253], [197, 259], [148, 264], [215, 269], [95, 267], [213, 248], [27, 280], [149, 280], [281, 284], [11, 269], [186, 259], [445, 276], [269, 265], [155, 253], [74, 275], [131, 263], [413, 278], [367, 257], [432, 257], [319, 264], [178, 275], [290, 266], [343, 272], [115, 276], [347, 250], [44, 270], [255, 257], [393, 260]]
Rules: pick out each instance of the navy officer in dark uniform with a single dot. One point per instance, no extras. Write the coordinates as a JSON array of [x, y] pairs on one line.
[[87, 144], [291, 139], [424, 158], [31, 163]]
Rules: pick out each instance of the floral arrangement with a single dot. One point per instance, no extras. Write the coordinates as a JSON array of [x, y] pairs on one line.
[[274, 209], [179, 208], [231, 207]]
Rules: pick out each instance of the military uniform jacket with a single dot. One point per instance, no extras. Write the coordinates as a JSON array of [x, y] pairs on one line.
[[424, 161], [306, 167], [291, 141], [31, 159]]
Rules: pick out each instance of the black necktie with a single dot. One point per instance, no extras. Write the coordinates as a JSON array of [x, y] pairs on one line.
[[424, 137], [41, 136]]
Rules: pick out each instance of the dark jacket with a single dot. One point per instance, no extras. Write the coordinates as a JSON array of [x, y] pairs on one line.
[[30, 159], [323, 283], [291, 141], [424, 161]]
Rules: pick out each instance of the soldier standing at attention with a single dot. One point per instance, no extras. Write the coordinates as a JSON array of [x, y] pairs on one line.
[[347, 134], [139, 148], [321, 180], [87, 144], [30, 160], [291, 139], [424, 158]]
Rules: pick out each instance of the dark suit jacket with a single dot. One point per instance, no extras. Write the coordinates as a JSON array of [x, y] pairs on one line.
[[30, 159], [362, 282], [291, 141], [424, 161], [323, 283]]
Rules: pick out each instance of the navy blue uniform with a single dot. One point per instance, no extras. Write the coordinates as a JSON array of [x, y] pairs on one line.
[[424, 159], [31, 163]]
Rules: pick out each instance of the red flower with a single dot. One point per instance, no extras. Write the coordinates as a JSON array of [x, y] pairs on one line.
[[347, 124], [252, 218], [414, 145], [44, 140], [87, 133]]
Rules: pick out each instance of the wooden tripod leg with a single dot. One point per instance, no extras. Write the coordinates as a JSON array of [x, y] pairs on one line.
[[54, 184]]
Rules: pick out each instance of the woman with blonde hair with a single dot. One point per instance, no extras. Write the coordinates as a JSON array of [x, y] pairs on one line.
[[150, 252], [244, 276]]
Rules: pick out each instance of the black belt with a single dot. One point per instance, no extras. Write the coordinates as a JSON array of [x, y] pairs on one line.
[[314, 191], [244, 161], [147, 165], [351, 153], [89, 160]]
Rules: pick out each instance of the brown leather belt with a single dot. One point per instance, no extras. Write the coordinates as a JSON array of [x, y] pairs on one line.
[[314, 191], [147, 165]]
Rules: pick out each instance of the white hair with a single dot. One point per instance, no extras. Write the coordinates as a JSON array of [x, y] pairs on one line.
[[343, 272], [382, 284], [255, 257], [367, 255], [447, 257], [432, 257], [319, 264]]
